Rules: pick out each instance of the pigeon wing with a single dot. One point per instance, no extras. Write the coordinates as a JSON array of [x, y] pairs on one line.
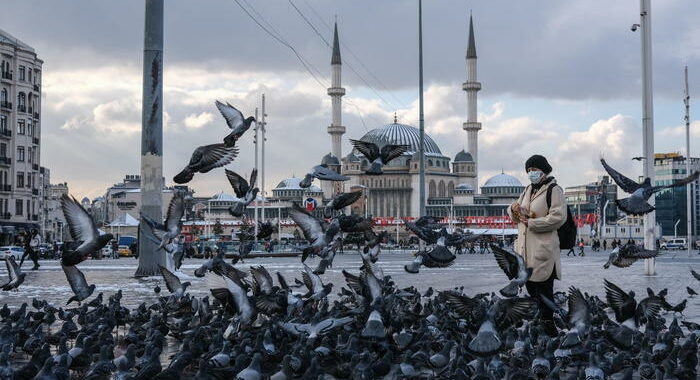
[[517, 308], [354, 282], [689, 179], [368, 149], [616, 297], [641, 254], [76, 279], [80, 224], [625, 183], [624, 261], [239, 184], [171, 281], [310, 226], [234, 117], [695, 274], [579, 310], [217, 155], [460, 303], [507, 260], [343, 200], [176, 209], [324, 173], [13, 270], [649, 307], [391, 151]]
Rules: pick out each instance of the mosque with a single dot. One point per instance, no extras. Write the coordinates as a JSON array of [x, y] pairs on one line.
[[451, 184]]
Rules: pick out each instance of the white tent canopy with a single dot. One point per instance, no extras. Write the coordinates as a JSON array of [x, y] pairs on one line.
[[124, 220]]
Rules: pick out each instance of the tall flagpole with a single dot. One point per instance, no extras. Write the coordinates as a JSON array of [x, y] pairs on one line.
[[688, 187], [421, 121]]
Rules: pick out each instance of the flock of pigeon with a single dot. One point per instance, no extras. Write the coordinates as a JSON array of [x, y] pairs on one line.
[[260, 326]]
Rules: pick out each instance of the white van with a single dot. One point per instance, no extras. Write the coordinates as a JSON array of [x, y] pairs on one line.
[[675, 243]]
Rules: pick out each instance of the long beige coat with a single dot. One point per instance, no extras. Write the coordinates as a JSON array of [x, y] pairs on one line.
[[538, 242]]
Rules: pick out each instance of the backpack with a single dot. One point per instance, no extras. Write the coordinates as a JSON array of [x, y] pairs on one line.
[[567, 232]]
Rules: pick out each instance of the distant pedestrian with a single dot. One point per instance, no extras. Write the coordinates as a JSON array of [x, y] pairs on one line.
[[605, 245], [581, 245]]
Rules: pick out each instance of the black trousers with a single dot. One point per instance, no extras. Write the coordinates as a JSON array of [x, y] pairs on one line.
[[32, 255], [545, 288]]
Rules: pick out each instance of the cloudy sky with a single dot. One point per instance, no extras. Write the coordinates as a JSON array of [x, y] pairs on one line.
[[559, 78]]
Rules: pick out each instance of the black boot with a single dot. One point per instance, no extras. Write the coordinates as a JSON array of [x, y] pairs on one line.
[[550, 328]]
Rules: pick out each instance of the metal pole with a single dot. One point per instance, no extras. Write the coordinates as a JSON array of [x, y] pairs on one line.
[[152, 134], [421, 121], [255, 228], [648, 128], [675, 228], [262, 164], [688, 187], [602, 229]]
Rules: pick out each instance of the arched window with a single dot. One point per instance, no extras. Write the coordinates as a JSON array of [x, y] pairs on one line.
[[3, 95], [430, 162], [22, 102], [431, 189], [450, 189], [441, 189]]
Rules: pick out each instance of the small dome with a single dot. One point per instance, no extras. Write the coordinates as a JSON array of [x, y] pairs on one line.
[[330, 160], [293, 184], [223, 197], [502, 180], [463, 156], [351, 157]]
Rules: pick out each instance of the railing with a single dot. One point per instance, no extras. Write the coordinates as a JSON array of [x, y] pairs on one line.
[[36, 87], [36, 115], [35, 191], [5, 216], [6, 104], [5, 187], [35, 217], [31, 110], [5, 160], [6, 75], [35, 166], [35, 141], [5, 133], [22, 108]]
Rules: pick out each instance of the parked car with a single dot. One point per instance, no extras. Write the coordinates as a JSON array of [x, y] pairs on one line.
[[11, 250], [676, 243]]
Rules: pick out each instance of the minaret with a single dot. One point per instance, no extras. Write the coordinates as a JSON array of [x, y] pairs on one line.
[[471, 86], [336, 129]]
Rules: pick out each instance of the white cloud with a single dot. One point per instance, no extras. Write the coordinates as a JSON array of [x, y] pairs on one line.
[[196, 121]]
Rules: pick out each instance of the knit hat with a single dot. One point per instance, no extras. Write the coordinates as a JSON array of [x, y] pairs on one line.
[[539, 162]]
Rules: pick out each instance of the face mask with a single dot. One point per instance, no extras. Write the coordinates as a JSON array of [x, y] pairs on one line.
[[535, 176]]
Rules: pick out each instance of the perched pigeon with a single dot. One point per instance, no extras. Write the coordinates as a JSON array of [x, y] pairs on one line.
[[319, 234], [378, 158], [340, 201], [82, 228], [206, 158], [637, 203], [78, 284], [514, 267], [170, 229], [322, 172], [245, 191], [15, 274], [626, 255], [235, 121]]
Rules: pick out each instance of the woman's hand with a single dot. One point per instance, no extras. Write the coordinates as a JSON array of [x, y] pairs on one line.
[[515, 207]]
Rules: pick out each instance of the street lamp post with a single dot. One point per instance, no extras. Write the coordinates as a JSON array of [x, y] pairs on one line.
[[675, 228]]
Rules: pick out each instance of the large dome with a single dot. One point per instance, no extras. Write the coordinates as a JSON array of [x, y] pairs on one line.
[[502, 180], [401, 134], [293, 184]]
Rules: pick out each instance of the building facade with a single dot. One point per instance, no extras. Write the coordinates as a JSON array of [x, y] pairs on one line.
[[20, 135], [671, 211], [591, 198]]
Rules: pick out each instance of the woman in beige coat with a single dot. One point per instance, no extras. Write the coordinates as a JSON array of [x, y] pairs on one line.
[[538, 241]]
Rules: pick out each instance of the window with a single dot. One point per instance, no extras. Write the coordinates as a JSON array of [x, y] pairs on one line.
[[22, 73], [18, 207], [28, 209], [3, 123], [3, 150], [20, 154], [20, 127], [30, 154], [29, 75], [30, 128], [22, 102], [3, 95], [20, 179]]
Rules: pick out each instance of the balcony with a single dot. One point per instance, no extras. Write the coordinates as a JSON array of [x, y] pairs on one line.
[[31, 110], [5, 216], [7, 161], [35, 191], [35, 141], [21, 108], [6, 188], [5, 133], [35, 217], [36, 115], [6, 75], [35, 166], [6, 104], [36, 87]]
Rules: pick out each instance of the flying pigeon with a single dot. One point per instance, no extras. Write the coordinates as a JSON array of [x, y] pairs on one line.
[[318, 234], [322, 172], [245, 191], [637, 204], [167, 231], [514, 267], [378, 158], [341, 201], [626, 255], [15, 274], [626, 309], [78, 284], [206, 158], [82, 228], [235, 121], [173, 283]]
